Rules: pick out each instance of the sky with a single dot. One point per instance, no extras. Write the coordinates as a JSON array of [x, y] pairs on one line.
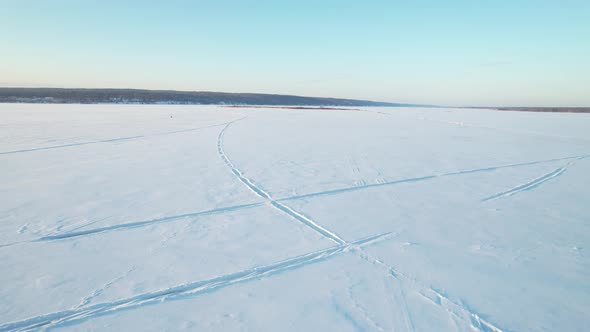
[[456, 53]]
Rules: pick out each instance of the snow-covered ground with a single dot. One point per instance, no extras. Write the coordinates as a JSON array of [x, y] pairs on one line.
[[153, 218]]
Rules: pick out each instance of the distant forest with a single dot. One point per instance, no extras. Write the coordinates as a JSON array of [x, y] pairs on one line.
[[171, 97], [132, 96]]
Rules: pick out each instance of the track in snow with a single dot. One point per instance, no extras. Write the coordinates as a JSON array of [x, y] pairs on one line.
[[80, 314], [456, 307], [424, 178], [137, 224], [266, 196], [111, 140], [261, 193], [357, 249], [534, 183]]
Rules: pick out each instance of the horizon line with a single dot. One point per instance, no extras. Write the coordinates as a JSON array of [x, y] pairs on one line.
[[415, 104]]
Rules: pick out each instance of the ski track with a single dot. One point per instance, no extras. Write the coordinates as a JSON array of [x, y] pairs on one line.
[[461, 311], [135, 224], [470, 125], [362, 311], [77, 315], [423, 178], [534, 183], [84, 312], [356, 249], [86, 300], [399, 305], [403, 305], [406, 311], [276, 203], [144, 223], [266, 196], [119, 139]]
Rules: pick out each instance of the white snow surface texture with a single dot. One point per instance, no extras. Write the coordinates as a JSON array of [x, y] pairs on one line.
[[206, 218]]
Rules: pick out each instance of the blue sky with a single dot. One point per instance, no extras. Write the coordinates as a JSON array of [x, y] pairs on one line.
[[440, 52]]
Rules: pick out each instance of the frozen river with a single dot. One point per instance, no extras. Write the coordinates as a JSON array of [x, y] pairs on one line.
[[152, 218]]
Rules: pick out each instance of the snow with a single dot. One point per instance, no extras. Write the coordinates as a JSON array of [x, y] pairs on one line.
[[168, 217]]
